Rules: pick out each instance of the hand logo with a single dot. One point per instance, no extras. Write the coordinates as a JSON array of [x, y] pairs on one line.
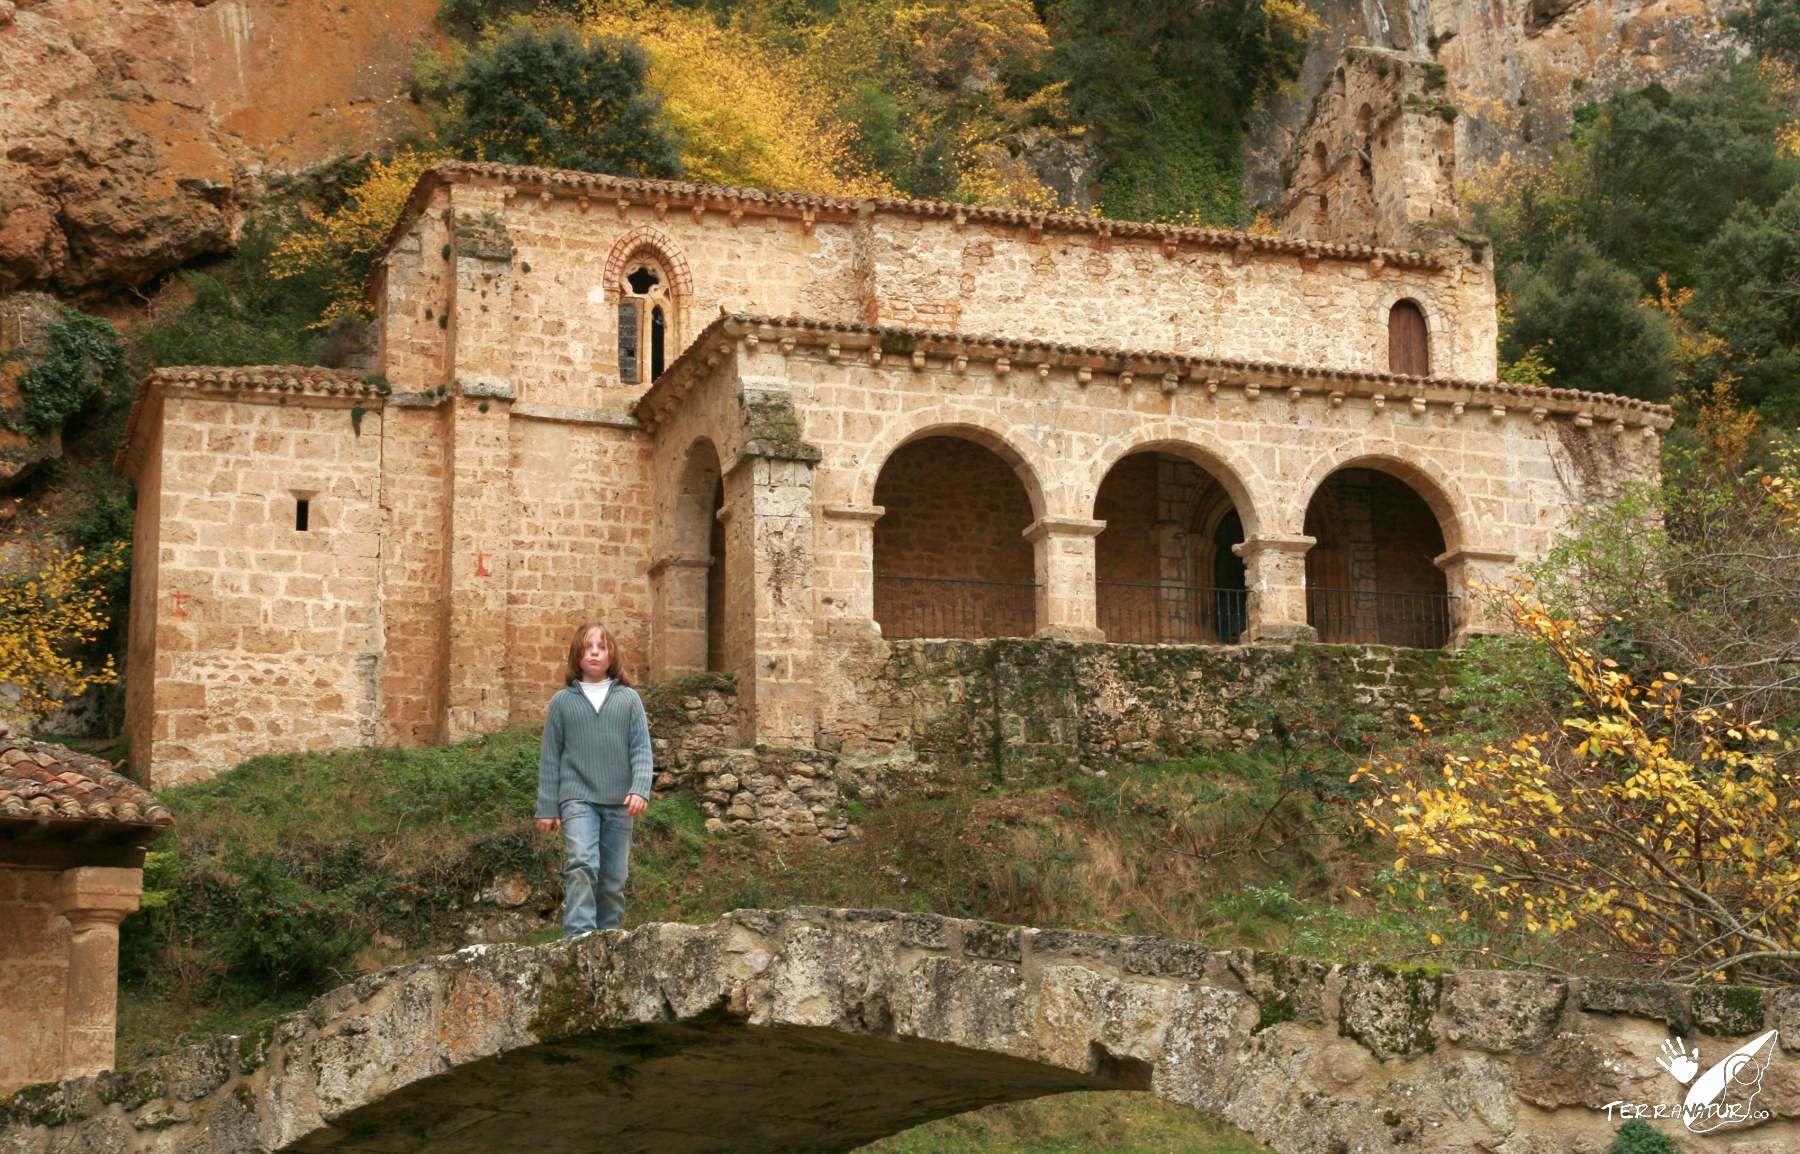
[[1681, 1067]]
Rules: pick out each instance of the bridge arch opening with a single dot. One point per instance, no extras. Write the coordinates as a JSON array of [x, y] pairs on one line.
[[1164, 569], [1372, 576], [951, 559]]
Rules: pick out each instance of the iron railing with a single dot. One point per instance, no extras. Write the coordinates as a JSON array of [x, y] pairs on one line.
[[1366, 617], [1149, 613], [954, 607]]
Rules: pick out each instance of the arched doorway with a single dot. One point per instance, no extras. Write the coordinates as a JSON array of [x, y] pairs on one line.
[[950, 556], [1371, 578], [1164, 567], [692, 607]]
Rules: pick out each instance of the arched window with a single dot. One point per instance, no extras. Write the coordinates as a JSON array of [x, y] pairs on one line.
[[1409, 342], [645, 326]]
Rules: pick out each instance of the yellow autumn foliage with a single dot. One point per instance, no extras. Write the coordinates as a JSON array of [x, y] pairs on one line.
[[1644, 827], [51, 607], [342, 246], [747, 114]]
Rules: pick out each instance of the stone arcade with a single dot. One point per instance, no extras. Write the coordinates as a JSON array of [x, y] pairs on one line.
[[768, 434]]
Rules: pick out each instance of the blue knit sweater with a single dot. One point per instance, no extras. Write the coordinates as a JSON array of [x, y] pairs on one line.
[[598, 755]]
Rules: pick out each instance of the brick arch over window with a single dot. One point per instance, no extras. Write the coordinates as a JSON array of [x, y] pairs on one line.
[[646, 242], [951, 558], [1164, 567], [1231, 471], [1441, 494], [928, 423]]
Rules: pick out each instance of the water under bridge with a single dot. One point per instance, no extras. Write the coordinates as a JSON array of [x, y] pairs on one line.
[[813, 1030]]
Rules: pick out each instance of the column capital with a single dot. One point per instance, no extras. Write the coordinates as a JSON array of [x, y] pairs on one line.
[[677, 561], [868, 514], [87, 895], [1062, 527], [1472, 553], [1274, 543]]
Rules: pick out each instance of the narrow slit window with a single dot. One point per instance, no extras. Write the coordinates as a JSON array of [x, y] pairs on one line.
[[302, 513]]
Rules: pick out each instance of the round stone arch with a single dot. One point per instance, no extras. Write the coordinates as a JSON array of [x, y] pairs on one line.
[[690, 524], [1441, 333], [640, 240], [688, 571], [930, 423], [1442, 494], [1219, 462]]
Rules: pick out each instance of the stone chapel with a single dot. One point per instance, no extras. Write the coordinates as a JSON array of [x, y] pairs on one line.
[[766, 434]]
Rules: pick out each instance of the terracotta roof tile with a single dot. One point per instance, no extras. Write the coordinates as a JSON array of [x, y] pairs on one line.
[[44, 782]]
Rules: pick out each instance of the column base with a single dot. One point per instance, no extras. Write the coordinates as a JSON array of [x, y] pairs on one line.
[[1068, 633], [1280, 633]]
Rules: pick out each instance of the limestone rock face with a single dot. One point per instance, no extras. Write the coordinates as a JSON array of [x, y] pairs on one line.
[[1516, 68], [132, 130]]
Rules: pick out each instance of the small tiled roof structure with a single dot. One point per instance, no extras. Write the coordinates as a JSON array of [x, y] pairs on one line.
[[51, 795]]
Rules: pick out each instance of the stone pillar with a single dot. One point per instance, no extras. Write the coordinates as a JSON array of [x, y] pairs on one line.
[[769, 558], [1275, 573], [678, 615], [846, 570], [1063, 549], [95, 900], [1475, 578], [478, 560]]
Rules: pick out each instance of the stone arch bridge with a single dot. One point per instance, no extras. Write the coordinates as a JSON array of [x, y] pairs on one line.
[[820, 1030]]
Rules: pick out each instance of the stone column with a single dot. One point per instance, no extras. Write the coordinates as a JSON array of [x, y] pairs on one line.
[[678, 615], [481, 514], [478, 560], [95, 900], [1275, 573], [846, 570], [769, 558], [1063, 549], [1474, 578]]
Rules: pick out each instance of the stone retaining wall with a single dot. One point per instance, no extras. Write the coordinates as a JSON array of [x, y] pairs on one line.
[[915, 717]]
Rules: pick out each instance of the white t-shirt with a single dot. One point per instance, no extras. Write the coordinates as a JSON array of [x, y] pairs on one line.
[[595, 691]]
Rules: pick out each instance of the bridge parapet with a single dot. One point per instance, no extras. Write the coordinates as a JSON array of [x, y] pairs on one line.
[[821, 1030]]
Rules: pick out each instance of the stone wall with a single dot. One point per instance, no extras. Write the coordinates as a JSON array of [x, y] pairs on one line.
[[568, 238], [912, 719], [266, 637], [34, 966], [908, 717]]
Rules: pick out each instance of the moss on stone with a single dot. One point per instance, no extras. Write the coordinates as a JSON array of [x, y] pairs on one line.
[[1728, 1010], [39, 1104]]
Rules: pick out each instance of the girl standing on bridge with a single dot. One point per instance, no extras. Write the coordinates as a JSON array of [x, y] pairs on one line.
[[594, 772]]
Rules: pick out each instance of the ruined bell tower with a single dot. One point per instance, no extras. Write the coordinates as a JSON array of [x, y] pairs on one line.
[[1375, 163]]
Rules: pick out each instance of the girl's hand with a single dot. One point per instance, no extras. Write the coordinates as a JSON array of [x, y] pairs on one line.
[[635, 805], [549, 824]]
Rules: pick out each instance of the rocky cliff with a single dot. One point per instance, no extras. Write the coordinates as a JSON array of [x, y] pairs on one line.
[[131, 131], [1516, 68]]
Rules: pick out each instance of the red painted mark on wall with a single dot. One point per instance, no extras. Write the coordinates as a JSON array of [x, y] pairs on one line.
[[481, 569], [180, 599]]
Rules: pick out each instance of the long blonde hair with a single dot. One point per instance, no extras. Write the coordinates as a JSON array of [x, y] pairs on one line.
[[615, 666]]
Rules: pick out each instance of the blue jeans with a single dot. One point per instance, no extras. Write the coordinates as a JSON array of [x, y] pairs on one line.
[[598, 838]]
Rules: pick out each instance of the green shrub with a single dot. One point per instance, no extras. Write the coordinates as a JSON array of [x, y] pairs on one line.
[[83, 360], [1639, 1137], [550, 96]]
